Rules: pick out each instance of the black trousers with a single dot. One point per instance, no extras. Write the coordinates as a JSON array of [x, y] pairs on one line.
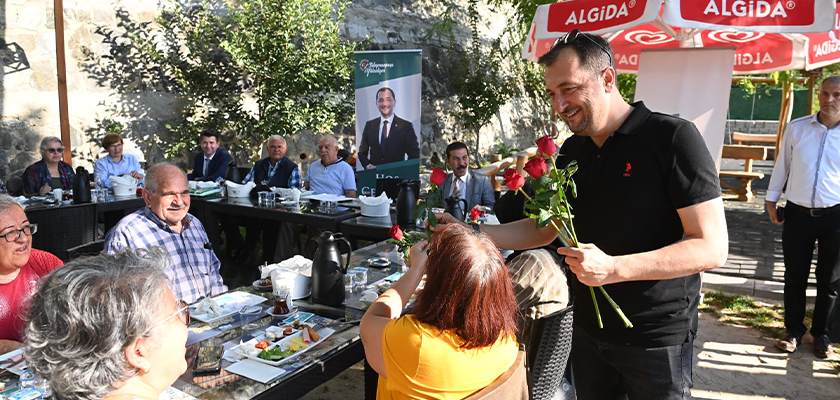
[[801, 230]]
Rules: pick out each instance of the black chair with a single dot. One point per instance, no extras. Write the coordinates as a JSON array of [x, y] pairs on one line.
[[14, 186], [550, 353], [61, 228], [89, 249]]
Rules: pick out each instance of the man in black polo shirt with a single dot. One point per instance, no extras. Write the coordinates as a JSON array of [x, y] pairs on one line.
[[649, 217]]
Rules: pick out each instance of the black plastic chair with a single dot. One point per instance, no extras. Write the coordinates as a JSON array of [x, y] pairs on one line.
[[550, 353], [89, 249], [14, 186], [64, 227]]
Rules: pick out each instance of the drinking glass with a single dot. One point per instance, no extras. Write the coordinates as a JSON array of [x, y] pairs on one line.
[[359, 276], [249, 316], [349, 280], [266, 199]]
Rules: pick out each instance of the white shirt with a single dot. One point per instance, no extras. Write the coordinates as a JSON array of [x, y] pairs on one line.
[[809, 160], [390, 126], [207, 163], [464, 184]]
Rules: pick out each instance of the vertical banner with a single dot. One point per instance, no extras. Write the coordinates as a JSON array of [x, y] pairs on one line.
[[388, 85]]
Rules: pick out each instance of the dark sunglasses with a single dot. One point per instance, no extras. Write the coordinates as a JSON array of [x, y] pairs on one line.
[[58, 150], [576, 33]]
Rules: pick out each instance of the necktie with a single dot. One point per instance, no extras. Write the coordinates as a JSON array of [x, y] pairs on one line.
[[206, 163], [456, 191], [384, 132]]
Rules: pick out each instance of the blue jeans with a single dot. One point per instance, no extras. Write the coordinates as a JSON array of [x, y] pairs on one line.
[[607, 371]]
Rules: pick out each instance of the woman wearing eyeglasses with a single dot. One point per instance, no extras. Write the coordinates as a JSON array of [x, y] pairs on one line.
[[460, 336], [116, 163], [49, 173], [108, 327], [21, 267]]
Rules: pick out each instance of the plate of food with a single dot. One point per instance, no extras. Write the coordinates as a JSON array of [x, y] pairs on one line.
[[263, 285], [212, 309], [284, 349]]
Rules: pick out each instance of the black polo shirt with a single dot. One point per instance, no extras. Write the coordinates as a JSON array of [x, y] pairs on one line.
[[629, 191]]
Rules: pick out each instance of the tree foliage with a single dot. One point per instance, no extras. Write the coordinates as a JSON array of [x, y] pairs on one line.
[[285, 56]]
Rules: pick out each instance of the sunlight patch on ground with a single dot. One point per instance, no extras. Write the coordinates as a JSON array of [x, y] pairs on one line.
[[707, 395]]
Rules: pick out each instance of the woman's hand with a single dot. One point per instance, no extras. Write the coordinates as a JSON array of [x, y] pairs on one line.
[[444, 218], [45, 189], [418, 254]]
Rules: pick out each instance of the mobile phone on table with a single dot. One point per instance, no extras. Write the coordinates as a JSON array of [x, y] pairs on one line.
[[209, 360]]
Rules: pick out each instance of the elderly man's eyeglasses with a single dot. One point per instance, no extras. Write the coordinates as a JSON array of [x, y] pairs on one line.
[[576, 33], [27, 230], [56, 150], [183, 313]]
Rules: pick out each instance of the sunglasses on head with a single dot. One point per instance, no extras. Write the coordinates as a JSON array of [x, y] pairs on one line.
[[58, 150], [576, 33]]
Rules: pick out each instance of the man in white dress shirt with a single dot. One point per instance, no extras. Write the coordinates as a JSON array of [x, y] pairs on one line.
[[463, 183], [809, 161]]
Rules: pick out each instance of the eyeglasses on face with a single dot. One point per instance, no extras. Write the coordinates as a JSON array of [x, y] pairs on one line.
[[115, 146], [14, 234], [56, 150], [576, 33], [183, 313]]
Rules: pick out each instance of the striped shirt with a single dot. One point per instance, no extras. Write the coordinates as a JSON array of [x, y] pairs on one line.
[[540, 287], [194, 273]]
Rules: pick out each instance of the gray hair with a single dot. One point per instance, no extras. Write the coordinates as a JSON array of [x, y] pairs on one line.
[[86, 313], [276, 137], [152, 176], [45, 141], [6, 202], [831, 80]]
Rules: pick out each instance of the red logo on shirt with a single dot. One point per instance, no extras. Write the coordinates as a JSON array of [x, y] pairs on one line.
[[627, 169]]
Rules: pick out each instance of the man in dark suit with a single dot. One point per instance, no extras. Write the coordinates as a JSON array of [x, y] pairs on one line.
[[388, 138], [212, 163], [473, 187]]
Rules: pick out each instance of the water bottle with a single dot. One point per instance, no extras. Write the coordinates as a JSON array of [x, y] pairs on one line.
[[97, 182]]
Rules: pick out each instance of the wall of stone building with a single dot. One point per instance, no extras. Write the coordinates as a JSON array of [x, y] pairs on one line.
[[756, 127], [29, 102]]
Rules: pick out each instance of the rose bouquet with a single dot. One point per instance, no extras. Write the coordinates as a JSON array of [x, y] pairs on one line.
[[550, 203]]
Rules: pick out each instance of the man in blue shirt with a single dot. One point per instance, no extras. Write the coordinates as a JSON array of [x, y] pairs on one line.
[[165, 222], [331, 175], [212, 163]]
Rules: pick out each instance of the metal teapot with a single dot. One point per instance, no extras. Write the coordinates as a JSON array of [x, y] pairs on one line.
[[456, 207], [328, 269]]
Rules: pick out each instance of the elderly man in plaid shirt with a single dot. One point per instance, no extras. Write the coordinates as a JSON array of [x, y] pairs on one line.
[[165, 222]]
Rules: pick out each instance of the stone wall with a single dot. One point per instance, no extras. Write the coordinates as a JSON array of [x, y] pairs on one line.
[[756, 127], [29, 102]]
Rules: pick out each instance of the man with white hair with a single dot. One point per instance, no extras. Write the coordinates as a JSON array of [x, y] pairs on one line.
[[331, 175], [166, 222], [273, 171]]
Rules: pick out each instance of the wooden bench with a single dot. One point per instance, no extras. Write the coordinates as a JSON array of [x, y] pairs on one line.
[[748, 154], [745, 138]]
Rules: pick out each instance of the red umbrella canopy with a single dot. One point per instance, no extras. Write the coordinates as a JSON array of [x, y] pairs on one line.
[[752, 26]]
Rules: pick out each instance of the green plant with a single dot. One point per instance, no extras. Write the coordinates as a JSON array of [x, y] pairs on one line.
[[506, 150], [286, 55]]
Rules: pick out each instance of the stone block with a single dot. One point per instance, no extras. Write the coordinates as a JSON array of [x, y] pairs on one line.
[[30, 18], [103, 16], [45, 45], [77, 14], [44, 78], [379, 36]]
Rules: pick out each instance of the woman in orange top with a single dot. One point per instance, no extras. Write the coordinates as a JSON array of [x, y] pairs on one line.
[[461, 335]]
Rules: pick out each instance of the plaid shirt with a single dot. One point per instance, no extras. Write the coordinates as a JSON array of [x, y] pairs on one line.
[[36, 175], [194, 273]]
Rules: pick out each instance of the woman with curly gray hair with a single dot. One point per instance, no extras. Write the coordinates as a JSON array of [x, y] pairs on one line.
[[108, 327]]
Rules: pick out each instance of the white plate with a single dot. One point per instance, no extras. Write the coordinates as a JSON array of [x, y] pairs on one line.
[[282, 316], [261, 288], [283, 343], [230, 303]]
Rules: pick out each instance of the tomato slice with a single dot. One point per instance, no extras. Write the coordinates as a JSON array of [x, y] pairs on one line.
[[263, 344]]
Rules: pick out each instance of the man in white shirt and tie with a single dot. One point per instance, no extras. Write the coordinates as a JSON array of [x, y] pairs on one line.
[[809, 162], [464, 183]]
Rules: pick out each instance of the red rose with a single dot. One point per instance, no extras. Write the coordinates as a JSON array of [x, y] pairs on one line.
[[546, 146], [474, 214], [536, 167], [396, 233], [438, 176], [513, 180]]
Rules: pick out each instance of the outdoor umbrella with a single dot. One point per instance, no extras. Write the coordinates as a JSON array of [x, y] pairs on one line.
[[772, 35]]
